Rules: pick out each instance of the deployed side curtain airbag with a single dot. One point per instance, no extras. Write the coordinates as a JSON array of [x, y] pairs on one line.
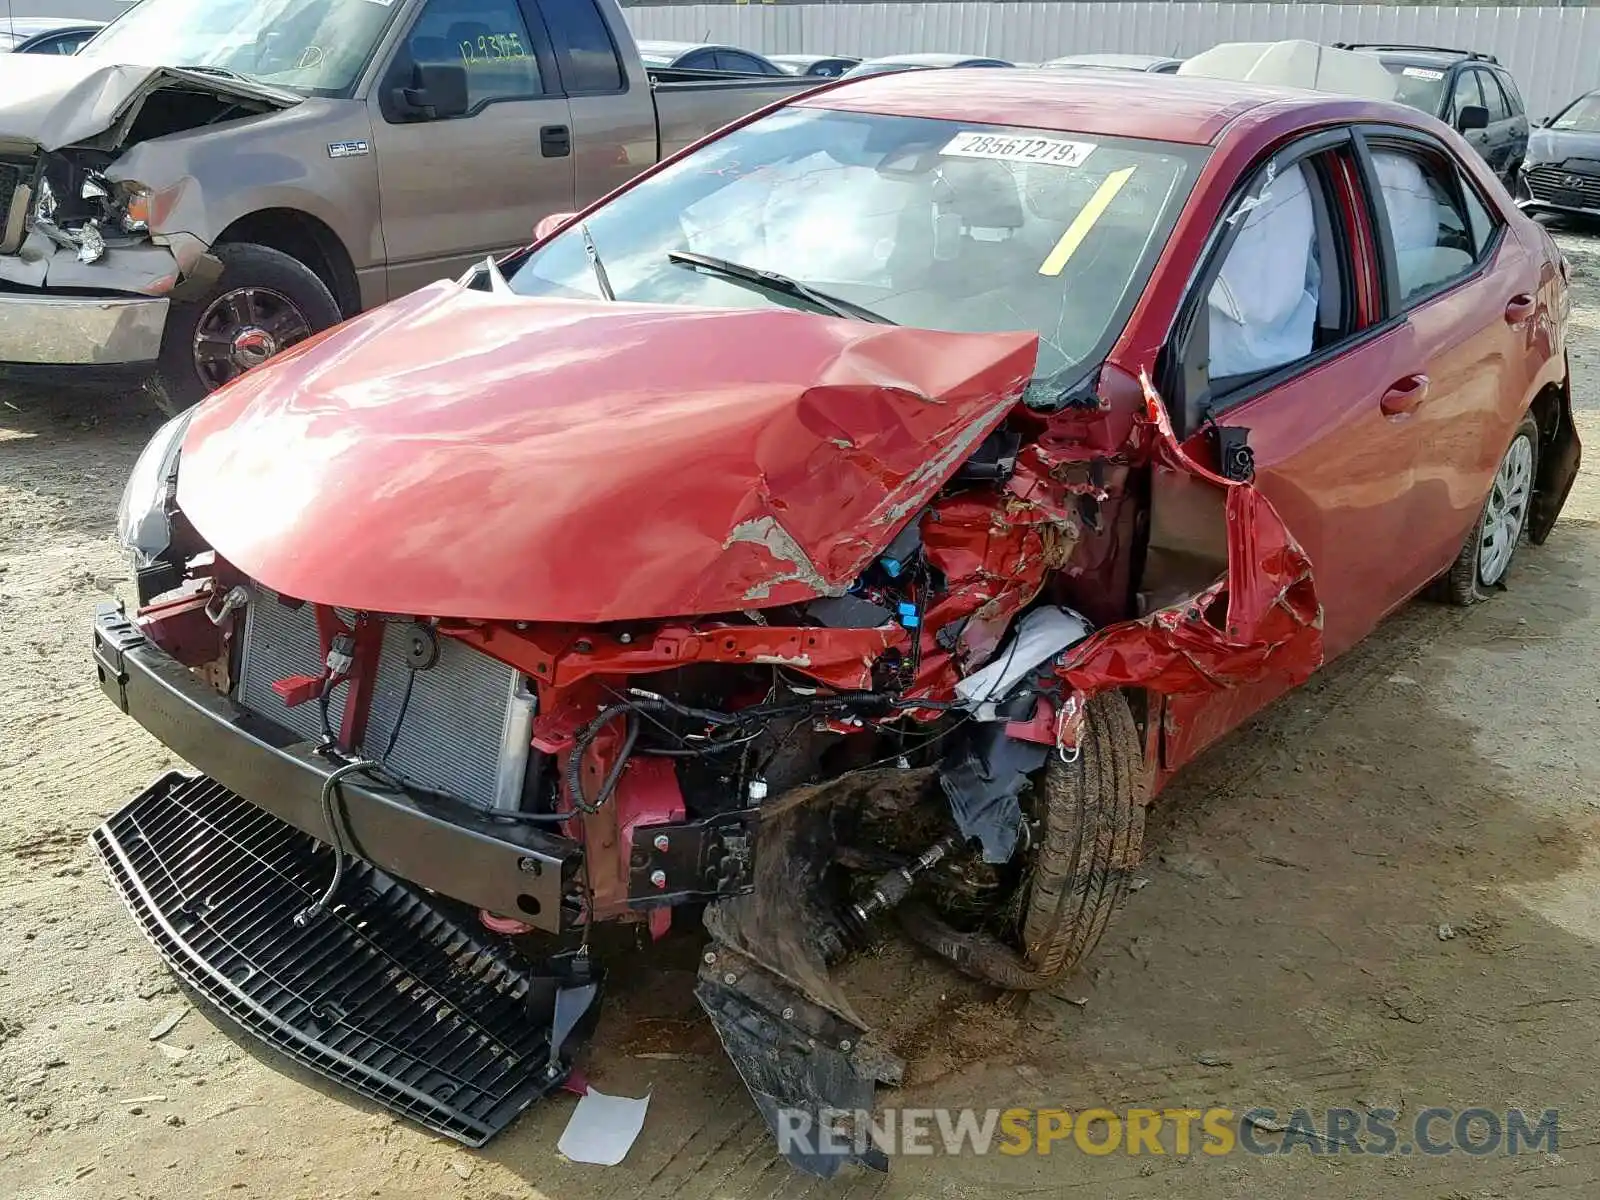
[[1414, 204], [1263, 306]]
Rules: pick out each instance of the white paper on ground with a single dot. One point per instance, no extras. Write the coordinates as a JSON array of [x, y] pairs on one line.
[[603, 1128]]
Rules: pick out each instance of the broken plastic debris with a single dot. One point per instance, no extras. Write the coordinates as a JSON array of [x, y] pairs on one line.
[[91, 245], [1040, 634], [603, 1128]]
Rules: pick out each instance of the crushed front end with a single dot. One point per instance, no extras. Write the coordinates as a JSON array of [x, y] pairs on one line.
[[859, 669]]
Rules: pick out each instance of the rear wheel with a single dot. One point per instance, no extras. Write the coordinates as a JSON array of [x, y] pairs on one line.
[[1486, 555], [1089, 833], [263, 302]]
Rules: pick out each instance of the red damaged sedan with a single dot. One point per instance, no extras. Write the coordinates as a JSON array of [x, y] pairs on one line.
[[849, 524]]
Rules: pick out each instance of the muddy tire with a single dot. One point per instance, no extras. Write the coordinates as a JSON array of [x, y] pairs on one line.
[[264, 301], [1486, 555], [1091, 830]]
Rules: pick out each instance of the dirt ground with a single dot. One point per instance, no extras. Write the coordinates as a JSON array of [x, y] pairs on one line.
[[1284, 947]]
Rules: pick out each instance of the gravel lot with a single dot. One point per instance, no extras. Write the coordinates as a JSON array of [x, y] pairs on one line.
[[1286, 949]]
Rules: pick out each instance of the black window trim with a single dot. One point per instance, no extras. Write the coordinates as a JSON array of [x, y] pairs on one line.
[[1209, 264], [1451, 112], [1509, 89], [1395, 307], [1486, 80], [544, 54], [562, 49]]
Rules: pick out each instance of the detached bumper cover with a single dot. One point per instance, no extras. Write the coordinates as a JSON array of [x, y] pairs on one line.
[[37, 329], [510, 870], [387, 992]]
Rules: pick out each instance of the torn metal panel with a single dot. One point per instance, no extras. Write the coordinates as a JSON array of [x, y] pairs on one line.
[[571, 461], [51, 101], [1262, 617]]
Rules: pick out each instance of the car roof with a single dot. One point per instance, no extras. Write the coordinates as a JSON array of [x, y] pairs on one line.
[[31, 26], [933, 59], [1424, 56], [650, 45], [811, 58], [1171, 108], [1129, 62]]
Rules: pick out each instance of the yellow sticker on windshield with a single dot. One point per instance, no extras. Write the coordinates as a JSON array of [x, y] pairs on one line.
[[1056, 261]]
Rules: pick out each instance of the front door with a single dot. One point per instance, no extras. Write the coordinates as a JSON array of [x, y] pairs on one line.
[[1289, 347], [459, 188]]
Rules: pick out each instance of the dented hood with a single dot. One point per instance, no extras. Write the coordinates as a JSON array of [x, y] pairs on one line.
[[51, 101], [466, 454]]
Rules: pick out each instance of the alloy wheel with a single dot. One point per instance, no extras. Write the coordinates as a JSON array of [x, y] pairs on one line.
[[243, 328], [1506, 512]]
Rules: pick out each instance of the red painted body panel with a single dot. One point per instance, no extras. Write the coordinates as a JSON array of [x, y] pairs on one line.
[[490, 460], [487, 456]]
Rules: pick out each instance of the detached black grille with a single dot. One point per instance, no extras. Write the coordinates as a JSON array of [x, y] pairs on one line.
[[1554, 185], [385, 992]]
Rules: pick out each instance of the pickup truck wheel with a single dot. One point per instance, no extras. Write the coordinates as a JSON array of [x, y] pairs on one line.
[[263, 302], [1089, 833], [1486, 555]]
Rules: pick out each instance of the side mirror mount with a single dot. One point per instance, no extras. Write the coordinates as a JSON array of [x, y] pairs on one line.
[[1472, 116], [438, 91], [552, 225]]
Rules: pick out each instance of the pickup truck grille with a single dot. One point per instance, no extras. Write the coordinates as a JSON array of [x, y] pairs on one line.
[[450, 740], [1555, 185]]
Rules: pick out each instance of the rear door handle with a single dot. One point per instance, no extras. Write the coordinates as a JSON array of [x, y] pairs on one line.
[[1520, 308], [555, 141], [1404, 395]]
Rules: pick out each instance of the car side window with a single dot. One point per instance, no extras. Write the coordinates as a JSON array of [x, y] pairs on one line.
[[489, 38], [1466, 92], [700, 60], [1430, 234], [732, 60], [1484, 221], [589, 63], [1493, 98], [1513, 97], [1278, 294]]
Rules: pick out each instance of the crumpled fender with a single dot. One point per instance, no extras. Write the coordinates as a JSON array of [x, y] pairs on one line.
[[492, 457], [1270, 615]]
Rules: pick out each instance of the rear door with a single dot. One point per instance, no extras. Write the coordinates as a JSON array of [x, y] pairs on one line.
[[454, 190], [1517, 123], [1462, 291], [613, 122]]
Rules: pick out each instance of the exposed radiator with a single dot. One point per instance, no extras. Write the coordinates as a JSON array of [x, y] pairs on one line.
[[462, 709]]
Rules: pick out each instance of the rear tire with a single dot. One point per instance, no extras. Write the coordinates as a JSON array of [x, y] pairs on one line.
[[263, 302], [1486, 555]]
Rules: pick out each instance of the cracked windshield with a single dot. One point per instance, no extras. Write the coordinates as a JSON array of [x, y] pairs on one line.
[[309, 45], [935, 224]]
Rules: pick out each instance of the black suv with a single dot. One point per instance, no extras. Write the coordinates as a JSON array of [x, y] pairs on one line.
[[1463, 88]]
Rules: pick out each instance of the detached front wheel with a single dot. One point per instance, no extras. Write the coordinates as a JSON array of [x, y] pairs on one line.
[[263, 302], [1088, 831]]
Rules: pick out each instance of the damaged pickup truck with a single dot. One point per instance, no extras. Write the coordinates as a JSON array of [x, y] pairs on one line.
[[285, 164], [851, 523]]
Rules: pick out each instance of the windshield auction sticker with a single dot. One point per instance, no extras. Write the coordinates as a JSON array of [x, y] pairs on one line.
[[1423, 73], [1057, 152]]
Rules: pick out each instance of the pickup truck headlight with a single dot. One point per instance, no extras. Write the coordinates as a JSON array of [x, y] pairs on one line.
[[143, 527]]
